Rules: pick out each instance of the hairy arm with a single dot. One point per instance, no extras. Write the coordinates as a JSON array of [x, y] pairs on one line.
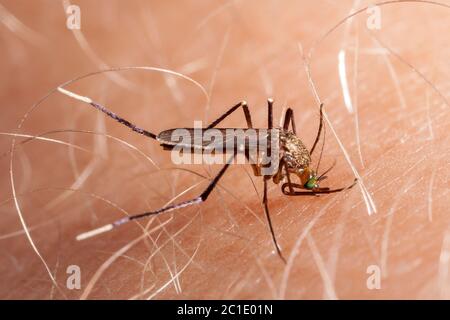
[[382, 76]]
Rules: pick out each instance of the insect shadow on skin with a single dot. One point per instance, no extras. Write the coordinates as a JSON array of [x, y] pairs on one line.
[[294, 158]]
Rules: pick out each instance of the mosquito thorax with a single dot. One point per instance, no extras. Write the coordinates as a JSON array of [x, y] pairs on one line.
[[294, 152]]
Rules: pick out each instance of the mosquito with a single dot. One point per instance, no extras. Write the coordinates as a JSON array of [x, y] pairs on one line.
[[294, 159]]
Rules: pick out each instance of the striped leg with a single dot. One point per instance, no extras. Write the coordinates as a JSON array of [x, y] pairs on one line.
[[108, 112], [201, 198], [269, 220]]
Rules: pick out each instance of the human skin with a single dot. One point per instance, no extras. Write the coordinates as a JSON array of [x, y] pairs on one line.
[[396, 140]]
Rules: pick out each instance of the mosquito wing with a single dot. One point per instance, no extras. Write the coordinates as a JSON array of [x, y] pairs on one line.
[[215, 140]]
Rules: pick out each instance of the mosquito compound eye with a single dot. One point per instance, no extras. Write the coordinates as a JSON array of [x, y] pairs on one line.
[[311, 183]]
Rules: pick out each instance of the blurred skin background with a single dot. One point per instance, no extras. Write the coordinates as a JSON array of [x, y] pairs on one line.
[[383, 76]]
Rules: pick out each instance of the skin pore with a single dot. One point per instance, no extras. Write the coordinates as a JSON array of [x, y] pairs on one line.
[[385, 92]]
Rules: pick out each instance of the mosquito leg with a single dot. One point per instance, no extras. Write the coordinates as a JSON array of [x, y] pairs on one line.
[[248, 119], [282, 166], [203, 196], [108, 112], [318, 131], [279, 175], [291, 189], [269, 127], [244, 106], [256, 170], [269, 113], [289, 118], [269, 220]]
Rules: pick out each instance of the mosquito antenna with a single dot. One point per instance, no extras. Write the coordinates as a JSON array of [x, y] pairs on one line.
[[319, 130], [322, 176], [108, 112], [321, 150]]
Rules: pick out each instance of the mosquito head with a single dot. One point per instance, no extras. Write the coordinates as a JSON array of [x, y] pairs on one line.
[[312, 182], [310, 179]]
